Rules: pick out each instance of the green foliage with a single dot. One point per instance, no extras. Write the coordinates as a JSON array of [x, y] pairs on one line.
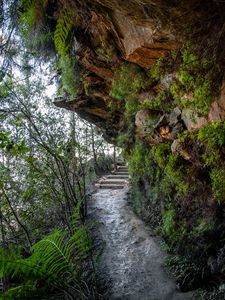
[[160, 154], [213, 134], [10, 146], [63, 29], [136, 161], [62, 39], [193, 88], [4, 89], [202, 226], [185, 270], [176, 92], [218, 183], [128, 81], [122, 140], [173, 179], [105, 52], [172, 231], [190, 60], [32, 16], [56, 260], [68, 76], [140, 162], [159, 102], [215, 294], [202, 95], [168, 221], [132, 106], [156, 70]]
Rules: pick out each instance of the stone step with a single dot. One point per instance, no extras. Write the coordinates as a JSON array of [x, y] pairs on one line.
[[118, 177], [111, 186], [122, 168], [114, 181], [120, 173], [120, 160], [119, 163]]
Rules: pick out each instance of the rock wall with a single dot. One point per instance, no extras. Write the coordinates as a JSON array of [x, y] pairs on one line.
[[109, 34]]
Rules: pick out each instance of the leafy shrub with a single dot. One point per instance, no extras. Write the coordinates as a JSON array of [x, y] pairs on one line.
[[160, 154], [161, 102], [213, 134], [172, 232], [174, 178], [156, 70], [192, 80]]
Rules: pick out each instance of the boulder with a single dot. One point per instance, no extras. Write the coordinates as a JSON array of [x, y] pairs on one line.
[[177, 148], [145, 122], [192, 120], [217, 111]]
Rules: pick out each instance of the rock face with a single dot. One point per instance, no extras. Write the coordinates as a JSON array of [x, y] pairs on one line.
[[110, 34], [192, 120], [142, 44], [217, 111]]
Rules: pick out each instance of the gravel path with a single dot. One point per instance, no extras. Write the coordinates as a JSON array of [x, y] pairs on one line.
[[132, 258]]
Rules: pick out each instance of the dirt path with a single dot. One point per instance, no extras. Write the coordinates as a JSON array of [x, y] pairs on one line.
[[132, 259]]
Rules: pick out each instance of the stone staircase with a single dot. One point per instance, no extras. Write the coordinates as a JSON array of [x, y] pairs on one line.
[[118, 179]]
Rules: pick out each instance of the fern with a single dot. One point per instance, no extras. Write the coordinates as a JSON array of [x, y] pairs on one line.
[[63, 29], [68, 76], [62, 40], [33, 14], [56, 261]]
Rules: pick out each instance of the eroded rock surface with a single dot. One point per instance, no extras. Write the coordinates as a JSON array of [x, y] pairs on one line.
[[111, 34]]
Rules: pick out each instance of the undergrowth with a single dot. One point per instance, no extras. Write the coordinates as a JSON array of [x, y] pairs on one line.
[[187, 273], [56, 267], [193, 87]]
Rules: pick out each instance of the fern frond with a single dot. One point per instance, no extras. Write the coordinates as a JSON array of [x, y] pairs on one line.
[[56, 260], [82, 243], [54, 253], [69, 78], [32, 16], [63, 29]]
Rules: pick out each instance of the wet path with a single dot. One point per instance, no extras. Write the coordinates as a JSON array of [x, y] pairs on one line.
[[132, 259]]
